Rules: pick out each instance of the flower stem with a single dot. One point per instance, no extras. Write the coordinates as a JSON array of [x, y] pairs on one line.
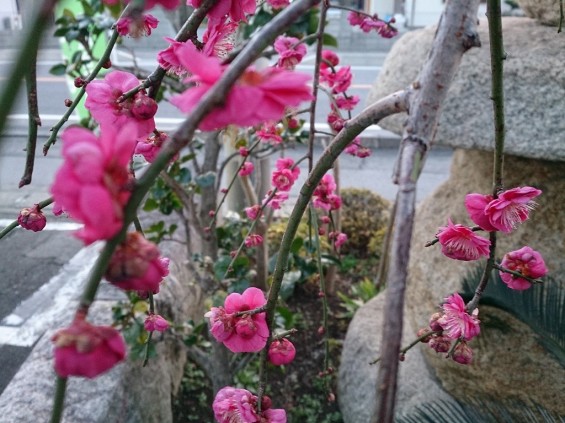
[[59, 399]]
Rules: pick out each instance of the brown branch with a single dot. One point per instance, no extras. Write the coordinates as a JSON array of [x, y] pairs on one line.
[[34, 121], [455, 35]]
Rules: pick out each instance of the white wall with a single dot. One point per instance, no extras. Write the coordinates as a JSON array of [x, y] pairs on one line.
[[422, 12], [381, 7], [9, 11]]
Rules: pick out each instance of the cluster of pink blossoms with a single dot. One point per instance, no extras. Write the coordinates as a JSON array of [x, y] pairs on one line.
[[136, 27], [234, 405], [237, 330], [372, 23], [504, 214], [453, 324]]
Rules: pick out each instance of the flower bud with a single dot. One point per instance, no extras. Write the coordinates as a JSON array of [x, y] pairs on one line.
[[243, 152], [107, 64], [281, 351], [68, 102], [143, 107], [440, 344], [79, 82], [155, 322], [32, 219], [434, 325], [462, 354]]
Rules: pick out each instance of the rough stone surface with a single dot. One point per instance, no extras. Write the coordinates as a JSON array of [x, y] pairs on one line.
[[545, 11], [128, 393], [357, 379], [433, 276], [534, 89]]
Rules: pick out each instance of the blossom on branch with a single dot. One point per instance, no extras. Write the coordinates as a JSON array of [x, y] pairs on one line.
[[235, 405], [241, 333], [86, 350], [137, 265], [281, 352], [461, 243], [526, 261], [511, 208], [155, 322], [246, 169], [102, 102], [504, 213], [32, 218], [265, 93], [456, 322], [235, 9], [290, 51], [92, 185], [138, 27]]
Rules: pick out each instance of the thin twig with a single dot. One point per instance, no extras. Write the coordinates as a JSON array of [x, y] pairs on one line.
[[34, 122], [28, 50]]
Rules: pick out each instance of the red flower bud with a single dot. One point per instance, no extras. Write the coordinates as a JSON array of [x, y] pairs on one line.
[[143, 107], [32, 219], [79, 82]]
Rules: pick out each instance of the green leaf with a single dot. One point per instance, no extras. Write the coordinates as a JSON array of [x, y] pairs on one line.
[[60, 32], [296, 245], [150, 205], [72, 35], [58, 69], [329, 40], [206, 180], [288, 283]]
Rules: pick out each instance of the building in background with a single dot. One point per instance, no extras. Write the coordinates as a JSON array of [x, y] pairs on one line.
[[10, 15]]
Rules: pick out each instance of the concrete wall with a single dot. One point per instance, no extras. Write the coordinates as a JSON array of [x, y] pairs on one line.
[[9, 15]]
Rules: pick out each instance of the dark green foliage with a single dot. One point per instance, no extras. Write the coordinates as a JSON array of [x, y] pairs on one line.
[[479, 411], [542, 307], [364, 219]]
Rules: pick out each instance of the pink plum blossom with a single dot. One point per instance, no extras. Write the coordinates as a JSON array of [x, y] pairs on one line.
[[136, 27], [155, 322], [440, 343], [246, 169], [282, 179], [137, 265], [475, 205], [92, 185], [324, 196], [253, 240], [150, 146], [281, 352], [290, 52], [511, 207], [253, 212], [456, 322], [275, 200], [278, 4], [347, 103], [235, 405], [335, 121], [528, 262], [236, 9], [340, 239], [283, 163], [32, 218], [329, 56], [86, 350], [218, 38], [269, 133], [168, 59], [356, 149], [339, 80], [243, 333], [149, 4], [355, 19], [266, 93], [102, 102], [461, 243]]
